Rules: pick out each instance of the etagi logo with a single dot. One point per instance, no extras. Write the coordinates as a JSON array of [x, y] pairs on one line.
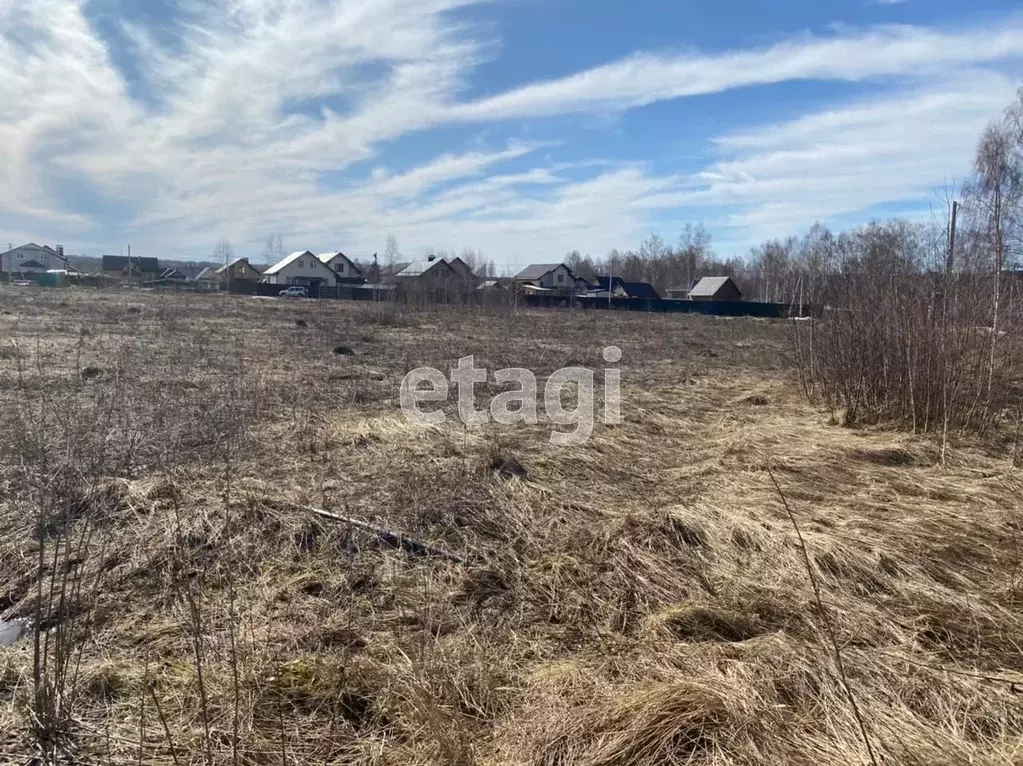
[[427, 384]]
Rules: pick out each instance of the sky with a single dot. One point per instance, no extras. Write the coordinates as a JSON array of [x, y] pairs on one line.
[[521, 128]]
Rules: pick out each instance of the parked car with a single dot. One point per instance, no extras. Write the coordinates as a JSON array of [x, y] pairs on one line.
[[295, 291]]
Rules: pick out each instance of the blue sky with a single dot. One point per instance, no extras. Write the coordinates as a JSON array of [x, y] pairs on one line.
[[521, 128]]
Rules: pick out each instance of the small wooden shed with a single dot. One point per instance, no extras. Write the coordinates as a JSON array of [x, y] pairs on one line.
[[715, 289]]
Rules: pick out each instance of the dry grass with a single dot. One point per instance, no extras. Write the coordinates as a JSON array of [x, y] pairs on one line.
[[639, 599]]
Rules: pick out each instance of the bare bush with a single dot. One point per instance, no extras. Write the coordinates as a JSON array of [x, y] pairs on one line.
[[925, 325], [911, 345]]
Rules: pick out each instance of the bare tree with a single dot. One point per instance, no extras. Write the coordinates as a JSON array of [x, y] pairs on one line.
[[273, 250], [391, 251], [223, 252], [815, 262], [474, 260], [693, 250], [581, 267], [772, 270], [997, 198]]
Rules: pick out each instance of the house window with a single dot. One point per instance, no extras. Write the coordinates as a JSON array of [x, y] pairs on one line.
[[561, 278]]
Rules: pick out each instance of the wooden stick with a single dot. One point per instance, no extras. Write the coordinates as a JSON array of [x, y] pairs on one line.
[[391, 537]]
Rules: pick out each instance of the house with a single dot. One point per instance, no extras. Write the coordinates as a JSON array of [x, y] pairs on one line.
[[431, 272], [189, 270], [501, 285], [131, 266], [172, 275], [342, 265], [715, 289], [551, 276], [238, 270], [301, 268], [641, 290], [494, 291], [462, 269], [31, 259], [387, 272], [208, 275], [622, 289]]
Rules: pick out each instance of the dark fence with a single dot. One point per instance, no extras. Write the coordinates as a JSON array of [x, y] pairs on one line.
[[708, 308], [351, 291], [346, 290], [240, 287], [179, 285]]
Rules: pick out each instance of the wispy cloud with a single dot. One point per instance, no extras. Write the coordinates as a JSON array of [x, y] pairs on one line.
[[643, 79], [238, 117], [780, 178]]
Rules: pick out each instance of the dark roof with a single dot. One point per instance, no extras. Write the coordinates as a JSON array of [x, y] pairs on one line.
[[640, 290], [537, 270], [461, 267], [632, 289], [141, 264], [708, 287]]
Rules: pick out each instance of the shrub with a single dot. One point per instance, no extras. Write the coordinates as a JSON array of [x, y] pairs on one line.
[[909, 345]]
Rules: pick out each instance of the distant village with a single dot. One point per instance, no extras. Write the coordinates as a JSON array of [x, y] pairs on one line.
[[335, 275]]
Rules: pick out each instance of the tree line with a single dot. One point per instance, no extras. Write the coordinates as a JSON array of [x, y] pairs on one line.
[[809, 268]]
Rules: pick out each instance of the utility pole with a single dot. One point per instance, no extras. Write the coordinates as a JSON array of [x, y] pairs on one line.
[[129, 263], [376, 279], [610, 280], [949, 260], [949, 264]]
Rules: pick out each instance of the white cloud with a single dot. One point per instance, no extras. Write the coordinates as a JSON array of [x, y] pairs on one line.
[[254, 107], [518, 228], [446, 168], [57, 88], [902, 146], [643, 79]]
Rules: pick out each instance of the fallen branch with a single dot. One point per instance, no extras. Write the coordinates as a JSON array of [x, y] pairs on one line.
[[394, 539]]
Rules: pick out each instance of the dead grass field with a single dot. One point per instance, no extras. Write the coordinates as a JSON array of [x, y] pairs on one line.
[[640, 599]]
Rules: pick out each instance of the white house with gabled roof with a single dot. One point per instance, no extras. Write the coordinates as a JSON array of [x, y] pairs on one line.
[[551, 276], [301, 268], [341, 265], [30, 259]]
